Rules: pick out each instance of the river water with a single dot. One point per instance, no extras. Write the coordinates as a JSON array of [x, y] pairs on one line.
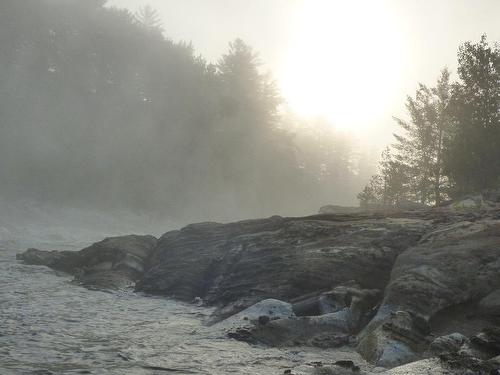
[[48, 325]]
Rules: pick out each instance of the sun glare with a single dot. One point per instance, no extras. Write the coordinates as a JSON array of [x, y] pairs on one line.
[[344, 61]]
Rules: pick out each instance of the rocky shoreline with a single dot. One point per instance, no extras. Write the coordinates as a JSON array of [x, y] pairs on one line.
[[411, 291]]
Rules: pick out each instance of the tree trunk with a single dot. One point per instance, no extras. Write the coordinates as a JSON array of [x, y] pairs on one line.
[[437, 182]]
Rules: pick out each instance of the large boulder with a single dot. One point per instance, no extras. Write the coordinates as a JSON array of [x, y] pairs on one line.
[[395, 340], [359, 301], [112, 263], [260, 313], [455, 263], [236, 265], [325, 331], [66, 261], [485, 345], [447, 344], [348, 307]]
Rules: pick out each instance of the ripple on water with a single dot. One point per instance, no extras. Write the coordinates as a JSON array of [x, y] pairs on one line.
[[50, 326]]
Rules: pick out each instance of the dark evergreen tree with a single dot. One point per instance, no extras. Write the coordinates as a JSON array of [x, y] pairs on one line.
[[148, 18], [99, 108], [473, 153], [420, 147]]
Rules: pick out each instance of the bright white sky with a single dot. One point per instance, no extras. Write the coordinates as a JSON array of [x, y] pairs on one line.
[[351, 61]]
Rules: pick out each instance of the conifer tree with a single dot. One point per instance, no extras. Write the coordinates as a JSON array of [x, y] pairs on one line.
[[473, 152]]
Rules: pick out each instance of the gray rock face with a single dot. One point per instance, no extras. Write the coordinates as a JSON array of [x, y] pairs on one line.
[[394, 340], [66, 261], [325, 331], [110, 264], [359, 301], [239, 264], [272, 309], [490, 305], [485, 345], [454, 263], [387, 283], [447, 344]]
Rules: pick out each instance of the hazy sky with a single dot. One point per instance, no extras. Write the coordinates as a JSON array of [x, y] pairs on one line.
[[352, 61]]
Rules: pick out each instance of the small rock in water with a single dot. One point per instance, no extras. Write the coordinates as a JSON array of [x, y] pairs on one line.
[[264, 319], [198, 301], [447, 344]]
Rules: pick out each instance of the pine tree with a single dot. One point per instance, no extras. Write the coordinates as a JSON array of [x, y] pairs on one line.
[[412, 168], [420, 147], [373, 193], [148, 18], [473, 155], [442, 94]]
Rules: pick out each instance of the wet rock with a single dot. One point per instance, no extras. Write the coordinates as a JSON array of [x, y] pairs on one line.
[[394, 340], [197, 301], [238, 264], [347, 365], [462, 363], [113, 263], [454, 263], [447, 344], [326, 331], [495, 362], [432, 366], [339, 367], [490, 305], [264, 319], [485, 345], [307, 305], [66, 261], [280, 327], [387, 277], [446, 364], [336, 370], [262, 313], [451, 265], [357, 300]]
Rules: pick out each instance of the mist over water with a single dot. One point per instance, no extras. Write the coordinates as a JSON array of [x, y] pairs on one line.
[[101, 111], [48, 325]]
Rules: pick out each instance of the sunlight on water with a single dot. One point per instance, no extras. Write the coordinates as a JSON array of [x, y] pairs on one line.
[[50, 326]]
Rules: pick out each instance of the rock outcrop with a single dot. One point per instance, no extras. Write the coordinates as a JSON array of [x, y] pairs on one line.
[[236, 265], [454, 263], [399, 286], [113, 263], [490, 305], [342, 312]]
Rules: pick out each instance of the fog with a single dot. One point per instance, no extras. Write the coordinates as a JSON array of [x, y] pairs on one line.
[[337, 52], [165, 114]]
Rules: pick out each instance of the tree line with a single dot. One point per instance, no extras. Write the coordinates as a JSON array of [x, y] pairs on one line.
[[99, 108], [450, 144]]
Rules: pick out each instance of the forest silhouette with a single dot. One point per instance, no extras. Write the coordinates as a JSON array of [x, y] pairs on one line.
[[101, 109]]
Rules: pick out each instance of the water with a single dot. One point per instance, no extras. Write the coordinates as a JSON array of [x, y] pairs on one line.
[[50, 326]]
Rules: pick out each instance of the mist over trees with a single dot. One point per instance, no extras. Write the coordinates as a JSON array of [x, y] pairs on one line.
[[99, 108], [450, 145]]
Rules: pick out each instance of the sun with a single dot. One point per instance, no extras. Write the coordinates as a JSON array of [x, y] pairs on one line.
[[344, 61]]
